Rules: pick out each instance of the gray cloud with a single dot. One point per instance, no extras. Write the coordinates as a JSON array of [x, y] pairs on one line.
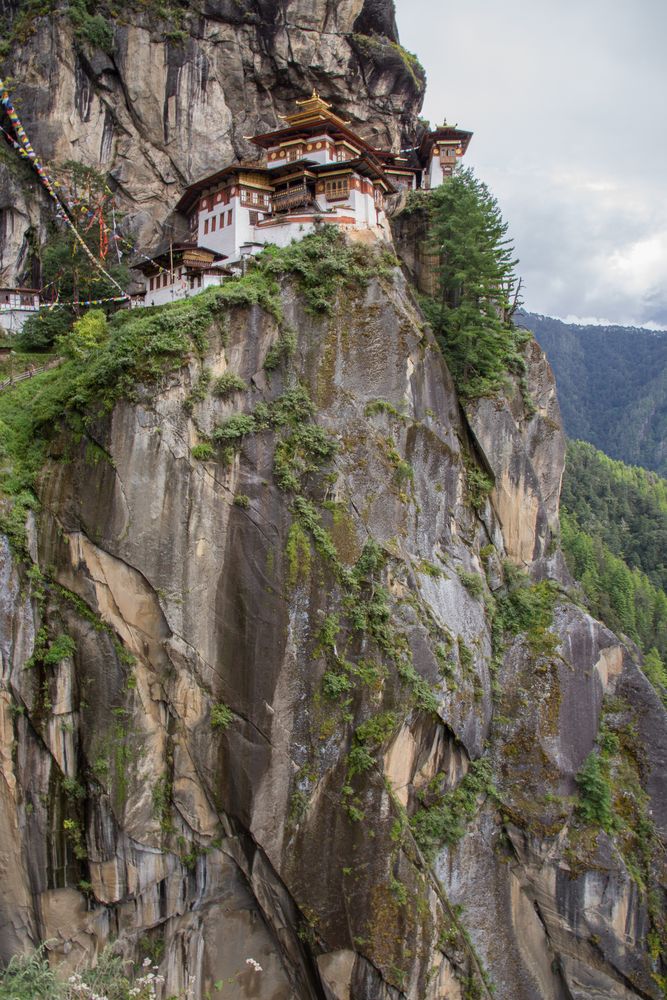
[[565, 99]]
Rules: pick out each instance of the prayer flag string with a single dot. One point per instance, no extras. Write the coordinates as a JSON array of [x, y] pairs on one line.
[[26, 149], [67, 305]]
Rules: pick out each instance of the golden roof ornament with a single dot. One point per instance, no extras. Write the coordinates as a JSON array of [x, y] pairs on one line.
[[311, 109], [314, 98]]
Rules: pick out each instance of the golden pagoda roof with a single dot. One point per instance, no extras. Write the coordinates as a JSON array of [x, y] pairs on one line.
[[312, 109]]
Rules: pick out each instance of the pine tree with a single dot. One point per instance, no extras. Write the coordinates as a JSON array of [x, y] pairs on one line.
[[478, 290]]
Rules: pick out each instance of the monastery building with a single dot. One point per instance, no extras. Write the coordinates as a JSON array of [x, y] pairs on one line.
[[314, 170]]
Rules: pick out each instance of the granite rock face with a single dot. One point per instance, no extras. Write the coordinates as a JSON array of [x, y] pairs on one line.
[[165, 107], [182, 780]]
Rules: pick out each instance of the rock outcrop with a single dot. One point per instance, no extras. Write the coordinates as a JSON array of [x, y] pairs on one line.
[[268, 688], [166, 106]]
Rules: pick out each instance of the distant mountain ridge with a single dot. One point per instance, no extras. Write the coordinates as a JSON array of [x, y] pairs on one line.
[[612, 386]]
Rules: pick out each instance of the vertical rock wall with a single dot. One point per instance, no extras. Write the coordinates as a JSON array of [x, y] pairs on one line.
[[136, 808]]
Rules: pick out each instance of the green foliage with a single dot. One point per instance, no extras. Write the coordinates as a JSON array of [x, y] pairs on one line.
[[297, 551], [30, 977], [233, 430], [335, 685], [228, 383], [323, 264], [281, 351], [20, 361], [242, 501], [143, 345], [327, 634], [526, 607], [67, 267], [376, 730], [614, 536], [429, 569], [382, 406], [203, 452], [13, 514], [442, 817], [303, 451], [472, 582], [471, 315], [199, 390], [623, 506], [62, 647], [221, 716], [72, 789], [311, 521], [466, 660], [91, 27], [623, 598], [75, 836], [478, 484], [368, 738], [612, 387], [86, 336], [41, 331], [162, 798], [294, 406], [656, 671], [595, 806]]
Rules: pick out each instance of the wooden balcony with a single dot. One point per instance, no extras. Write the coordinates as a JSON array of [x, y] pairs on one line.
[[295, 197]]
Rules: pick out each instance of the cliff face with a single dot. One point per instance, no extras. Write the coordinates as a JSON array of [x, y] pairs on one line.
[[163, 107], [318, 694], [270, 689]]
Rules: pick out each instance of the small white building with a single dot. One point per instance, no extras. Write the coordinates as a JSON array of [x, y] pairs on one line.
[[440, 151], [16, 305], [178, 273]]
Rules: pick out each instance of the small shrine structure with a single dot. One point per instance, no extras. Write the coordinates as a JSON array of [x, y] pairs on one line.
[[16, 305], [178, 273]]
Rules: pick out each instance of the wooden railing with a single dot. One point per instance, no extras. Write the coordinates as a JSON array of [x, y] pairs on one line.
[[28, 373], [293, 198]]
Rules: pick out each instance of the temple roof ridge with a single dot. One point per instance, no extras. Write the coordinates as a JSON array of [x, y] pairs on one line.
[[312, 109]]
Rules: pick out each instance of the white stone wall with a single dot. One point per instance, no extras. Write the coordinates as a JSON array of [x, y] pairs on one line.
[[435, 174], [282, 233], [229, 238], [179, 288], [12, 319], [224, 238]]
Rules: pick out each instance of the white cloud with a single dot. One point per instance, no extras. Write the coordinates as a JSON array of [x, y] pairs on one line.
[[565, 103]]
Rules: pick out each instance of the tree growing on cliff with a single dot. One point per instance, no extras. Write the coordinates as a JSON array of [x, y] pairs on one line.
[[68, 272], [472, 312]]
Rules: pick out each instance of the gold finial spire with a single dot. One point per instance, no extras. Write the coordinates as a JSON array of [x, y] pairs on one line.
[[313, 99], [311, 109]]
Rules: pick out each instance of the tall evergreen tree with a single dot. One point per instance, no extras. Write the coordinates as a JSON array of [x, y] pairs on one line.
[[478, 288]]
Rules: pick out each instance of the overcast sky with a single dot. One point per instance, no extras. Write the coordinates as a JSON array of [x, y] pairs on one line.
[[567, 102]]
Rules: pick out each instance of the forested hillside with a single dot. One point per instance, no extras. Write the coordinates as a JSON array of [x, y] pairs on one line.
[[614, 534], [612, 386]]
